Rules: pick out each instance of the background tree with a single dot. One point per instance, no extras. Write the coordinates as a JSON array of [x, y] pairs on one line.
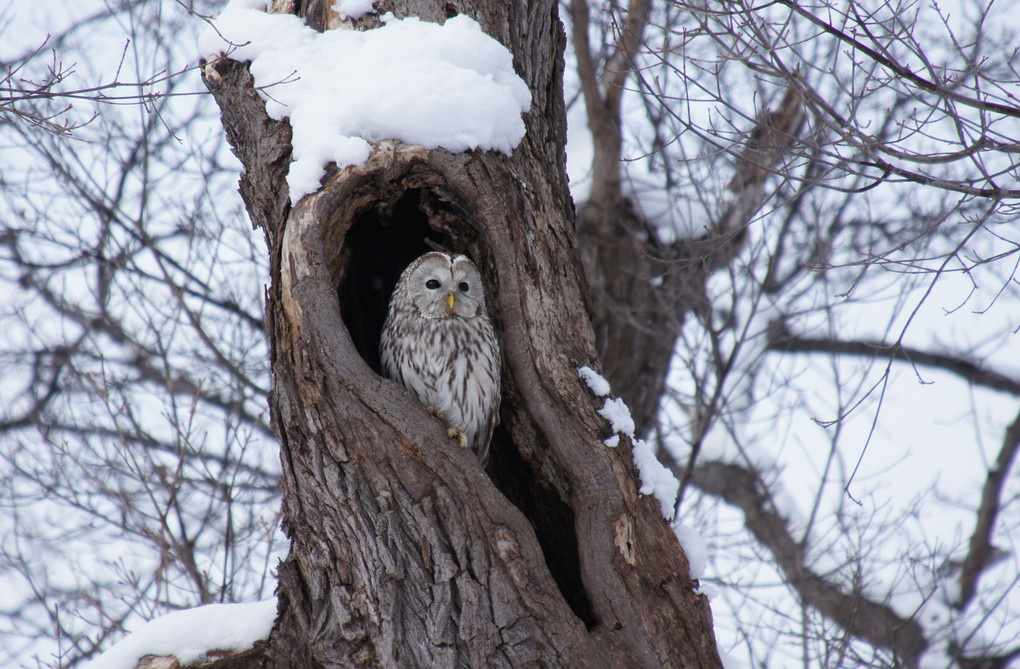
[[815, 201], [138, 469], [898, 176]]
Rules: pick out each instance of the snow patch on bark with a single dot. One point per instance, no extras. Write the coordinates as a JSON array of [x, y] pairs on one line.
[[595, 381], [618, 415], [353, 9], [656, 479]]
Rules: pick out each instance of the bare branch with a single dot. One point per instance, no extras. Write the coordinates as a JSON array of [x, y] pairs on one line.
[[979, 554], [876, 623], [902, 71], [783, 341]]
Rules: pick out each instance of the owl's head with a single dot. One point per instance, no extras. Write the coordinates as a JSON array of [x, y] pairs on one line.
[[441, 285]]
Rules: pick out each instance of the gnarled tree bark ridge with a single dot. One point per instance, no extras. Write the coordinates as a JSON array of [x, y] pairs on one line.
[[404, 551]]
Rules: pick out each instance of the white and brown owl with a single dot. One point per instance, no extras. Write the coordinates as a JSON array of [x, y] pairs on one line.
[[438, 342]]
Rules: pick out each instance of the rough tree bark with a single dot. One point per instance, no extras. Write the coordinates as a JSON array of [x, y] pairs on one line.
[[404, 551]]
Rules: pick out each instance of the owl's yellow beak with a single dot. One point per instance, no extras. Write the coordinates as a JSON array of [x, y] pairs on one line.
[[449, 300]]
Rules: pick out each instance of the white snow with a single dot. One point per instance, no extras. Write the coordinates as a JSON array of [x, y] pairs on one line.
[[188, 635], [708, 590], [426, 84], [595, 381], [694, 547], [261, 5], [353, 9], [618, 415], [656, 479], [728, 661]]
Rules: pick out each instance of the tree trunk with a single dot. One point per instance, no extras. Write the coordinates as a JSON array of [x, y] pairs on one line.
[[642, 289], [404, 551]]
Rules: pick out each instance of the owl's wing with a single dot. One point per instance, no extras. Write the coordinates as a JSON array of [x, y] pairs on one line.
[[491, 416], [491, 420]]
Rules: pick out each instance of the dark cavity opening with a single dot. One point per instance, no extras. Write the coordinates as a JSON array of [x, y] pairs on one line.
[[550, 516], [379, 245]]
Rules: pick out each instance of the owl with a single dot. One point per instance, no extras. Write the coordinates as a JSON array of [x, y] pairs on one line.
[[438, 342]]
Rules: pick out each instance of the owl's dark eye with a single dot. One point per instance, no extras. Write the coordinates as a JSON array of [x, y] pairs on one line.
[[463, 286], [432, 284]]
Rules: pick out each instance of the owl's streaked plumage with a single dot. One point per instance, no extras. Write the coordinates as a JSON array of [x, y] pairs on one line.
[[438, 342]]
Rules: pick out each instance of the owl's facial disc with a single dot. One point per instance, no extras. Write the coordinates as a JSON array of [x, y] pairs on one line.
[[442, 289]]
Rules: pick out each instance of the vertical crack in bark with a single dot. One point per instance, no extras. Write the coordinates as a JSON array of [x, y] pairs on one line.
[[553, 521]]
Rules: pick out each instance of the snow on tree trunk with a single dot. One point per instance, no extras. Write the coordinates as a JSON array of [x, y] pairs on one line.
[[404, 551]]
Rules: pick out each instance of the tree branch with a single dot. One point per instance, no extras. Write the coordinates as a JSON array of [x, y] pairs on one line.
[[902, 71], [980, 553], [782, 340], [875, 623]]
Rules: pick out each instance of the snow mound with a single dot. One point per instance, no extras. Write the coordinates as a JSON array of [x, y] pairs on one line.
[[449, 86], [190, 634]]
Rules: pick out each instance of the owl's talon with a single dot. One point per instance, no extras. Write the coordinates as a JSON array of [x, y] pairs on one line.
[[438, 413], [461, 437]]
